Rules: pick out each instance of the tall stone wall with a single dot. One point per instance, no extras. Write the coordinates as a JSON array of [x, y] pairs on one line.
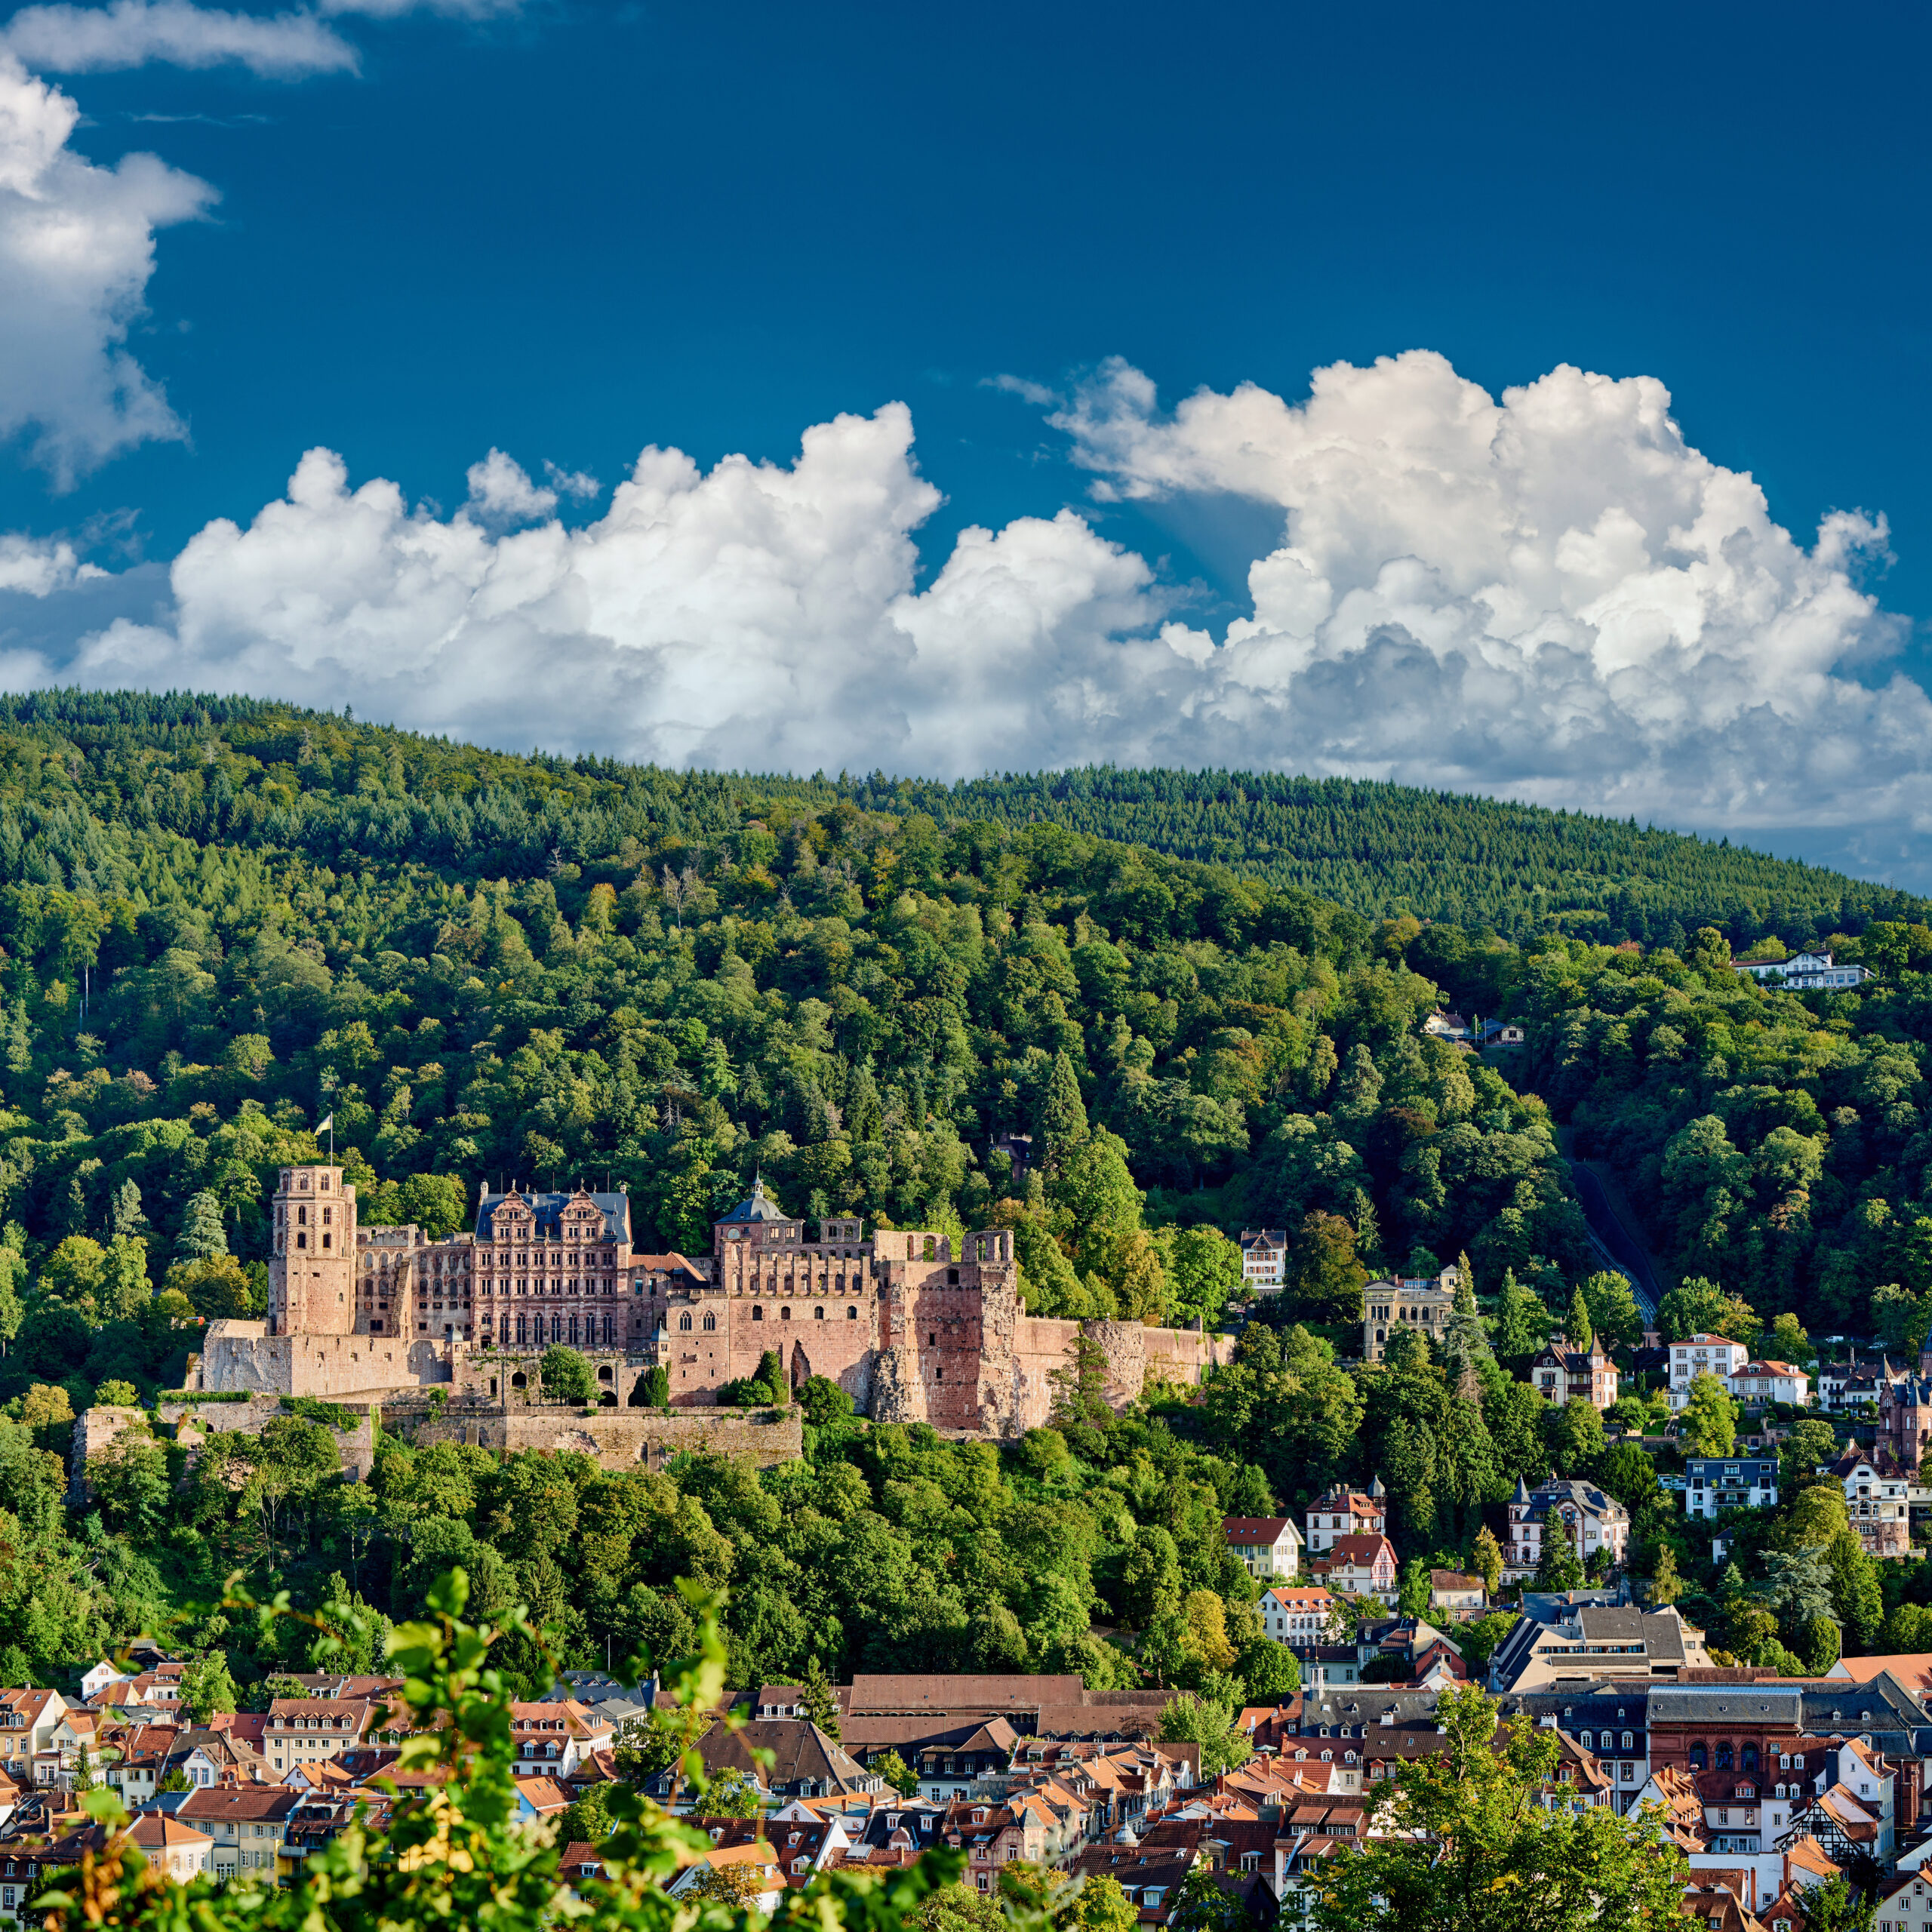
[[241, 1357], [618, 1438]]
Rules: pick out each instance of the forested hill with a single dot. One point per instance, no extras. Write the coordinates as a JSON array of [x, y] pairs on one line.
[[1384, 849], [243, 771]]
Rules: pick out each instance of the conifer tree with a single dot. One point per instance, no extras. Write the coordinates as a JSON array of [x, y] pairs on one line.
[[202, 1237], [1577, 1329]]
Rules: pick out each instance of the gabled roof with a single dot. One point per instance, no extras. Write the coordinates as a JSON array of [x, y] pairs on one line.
[[548, 1209]]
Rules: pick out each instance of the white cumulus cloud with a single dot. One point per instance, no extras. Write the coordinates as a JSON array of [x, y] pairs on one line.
[[39, 569], [76, 250], [1549, 594], [66, 39]]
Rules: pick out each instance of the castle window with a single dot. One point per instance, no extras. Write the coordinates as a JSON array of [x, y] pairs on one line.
[[685, 1320], [301, 1241], [851, 1314], [784, 1315], [758, 1313], [818, 1315], [302, 1215], [328, 1217], [711, 1321]]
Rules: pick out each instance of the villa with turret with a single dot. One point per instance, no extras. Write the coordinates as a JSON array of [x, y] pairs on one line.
[[913, 1326]]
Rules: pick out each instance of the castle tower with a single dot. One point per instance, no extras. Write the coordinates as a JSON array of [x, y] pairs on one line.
[[312, 1269]]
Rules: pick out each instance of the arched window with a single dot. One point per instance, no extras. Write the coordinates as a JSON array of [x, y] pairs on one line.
[[1749, 1762], [757, 1314], [1723, 1756], [1697, 1757], [711, 1321], [685, 1320], [784, 1315], [932, 1250], [851, 1314], [818, 1314]]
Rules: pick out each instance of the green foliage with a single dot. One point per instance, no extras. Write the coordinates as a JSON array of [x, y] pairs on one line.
[[1707, 1423], [1577, 1329], [899, 1775], [565, 1376], [1189, 1719], [206, 1686], [1465, 1844]]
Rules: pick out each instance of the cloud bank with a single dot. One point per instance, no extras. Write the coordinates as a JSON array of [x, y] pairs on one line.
[[294, 44], [76, 250], [1549, 594]]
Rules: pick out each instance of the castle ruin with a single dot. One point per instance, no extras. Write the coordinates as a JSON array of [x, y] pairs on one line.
[[912, 1331]]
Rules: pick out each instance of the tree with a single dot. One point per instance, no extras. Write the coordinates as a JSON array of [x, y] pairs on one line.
[[1203, 1907], [1079, 1398], [1696, 1306], [1203, 1272], [1062, 1120], [1478, 1639], [217, 1287], [736, 1886], [1666, 1586], [819, 1700], [1465, 1844], [112, 1394], [826, 1404], [1613, 1309], [566, 1376], [586, 1820], [1268, 1671], [1574, 1434], [1522, 1322], [1812, 1445], [1486, 1555], [1323, 1272], [1836, 1906], [1104, 1906], [1785, 1340], [897, 1773], [202, 1237], [1557, 1567], [1412, 1588], [1189, 1719], [732, 1794], [1577, 1329], [206, 1686], [1707, 1423]]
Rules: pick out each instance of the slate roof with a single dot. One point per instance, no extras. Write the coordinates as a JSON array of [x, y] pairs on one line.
[[1753, 1703], [548, 1209]]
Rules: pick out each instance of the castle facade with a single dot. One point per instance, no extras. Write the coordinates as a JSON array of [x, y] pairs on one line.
[[911, 1330]]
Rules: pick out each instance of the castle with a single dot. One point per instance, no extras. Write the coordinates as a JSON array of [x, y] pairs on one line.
[[911, 1331]]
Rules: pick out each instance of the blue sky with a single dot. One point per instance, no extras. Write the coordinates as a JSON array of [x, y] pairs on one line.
[[566, 231]]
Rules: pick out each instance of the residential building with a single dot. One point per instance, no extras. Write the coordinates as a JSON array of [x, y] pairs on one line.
[[1267, 1545], [1347, 1512], [1596, 1641], [1849, 1387], [1561, 1374], [1756, 1382], [1804, 973], [1875, 1498], [1713, 1483], [1500, 1033], [1702, 1355], [170, 1847], [1446, 1025], [28, 1720], [1295, 1616], [1456, 1596], [1905, 1418], [301, 1730], [553, 1739], [804, 1761], [1358, 1567], [1264, 1258], [1593, 1521], [244, 1825], [1422, 1303]]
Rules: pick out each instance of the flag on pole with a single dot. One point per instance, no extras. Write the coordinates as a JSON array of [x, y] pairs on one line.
[[326, 1124]]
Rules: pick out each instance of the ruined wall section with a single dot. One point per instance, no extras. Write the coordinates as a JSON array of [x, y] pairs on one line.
[[190, 1425], [618, 1439], [242, 1357]]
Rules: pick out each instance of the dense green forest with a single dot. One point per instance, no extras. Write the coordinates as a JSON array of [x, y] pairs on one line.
[[1385, 849], [221, 920]]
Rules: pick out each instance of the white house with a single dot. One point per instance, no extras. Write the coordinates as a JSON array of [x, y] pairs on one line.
[[1295, 1616], [1702, 1355], [1760, 1382], [1264, 1257], [1803, 972]]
